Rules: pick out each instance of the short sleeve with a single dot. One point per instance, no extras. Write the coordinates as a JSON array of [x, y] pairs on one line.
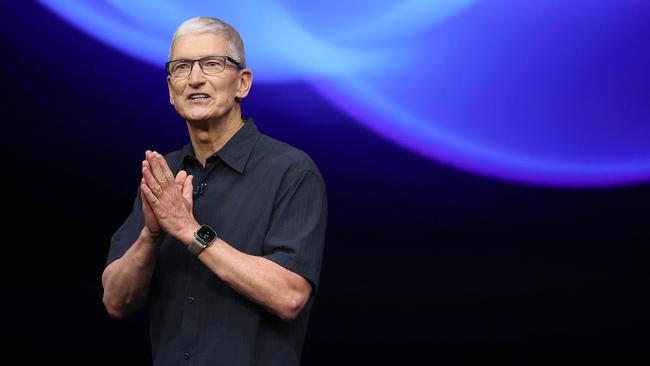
[[127, 234], [296, 235]]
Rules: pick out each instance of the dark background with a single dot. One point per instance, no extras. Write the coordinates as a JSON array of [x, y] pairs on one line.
[[423, 262]]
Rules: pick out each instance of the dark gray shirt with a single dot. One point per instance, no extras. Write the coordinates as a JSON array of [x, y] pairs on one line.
[[264, 198]]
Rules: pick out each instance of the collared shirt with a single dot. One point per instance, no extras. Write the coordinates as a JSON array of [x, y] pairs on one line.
[[264, 198]]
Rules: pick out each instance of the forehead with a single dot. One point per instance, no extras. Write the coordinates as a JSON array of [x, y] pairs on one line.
[[195, 46]]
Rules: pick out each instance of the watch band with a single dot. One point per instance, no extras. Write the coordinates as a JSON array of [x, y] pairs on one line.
[[203, 237], [196, 247]]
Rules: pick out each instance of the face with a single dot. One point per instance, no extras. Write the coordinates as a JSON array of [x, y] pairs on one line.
[[201, 97]]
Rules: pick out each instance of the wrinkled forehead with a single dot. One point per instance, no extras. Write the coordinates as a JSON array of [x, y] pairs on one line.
[[195, 46]]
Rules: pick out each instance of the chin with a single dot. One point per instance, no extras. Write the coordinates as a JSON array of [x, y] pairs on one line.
[[197, 119], [197, 116]]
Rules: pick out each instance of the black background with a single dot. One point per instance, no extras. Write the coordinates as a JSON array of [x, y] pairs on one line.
[[423, 262]]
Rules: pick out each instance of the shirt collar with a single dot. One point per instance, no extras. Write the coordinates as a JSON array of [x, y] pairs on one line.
[[236, 151]]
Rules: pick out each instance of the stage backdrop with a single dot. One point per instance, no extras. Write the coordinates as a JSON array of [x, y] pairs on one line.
[[487, 166]]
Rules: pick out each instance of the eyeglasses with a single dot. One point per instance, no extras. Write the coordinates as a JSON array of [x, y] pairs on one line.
[[210, 65]]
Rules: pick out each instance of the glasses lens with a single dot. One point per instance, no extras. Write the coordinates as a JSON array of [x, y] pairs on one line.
[[180, 68], [213, 65]]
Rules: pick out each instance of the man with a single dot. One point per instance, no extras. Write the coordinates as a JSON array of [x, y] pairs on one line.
[[225, 240]]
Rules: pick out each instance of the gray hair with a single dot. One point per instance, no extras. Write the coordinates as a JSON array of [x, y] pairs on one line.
[[204, 24]]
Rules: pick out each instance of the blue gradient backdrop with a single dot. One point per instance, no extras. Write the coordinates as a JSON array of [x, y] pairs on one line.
[[487, 165], [550, 93]]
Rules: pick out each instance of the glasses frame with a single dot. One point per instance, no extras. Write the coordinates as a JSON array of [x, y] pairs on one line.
[[225, 58]]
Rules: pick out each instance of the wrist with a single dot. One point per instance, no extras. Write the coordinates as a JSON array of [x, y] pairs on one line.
[[187, 235], [204, 236], [150, 236]]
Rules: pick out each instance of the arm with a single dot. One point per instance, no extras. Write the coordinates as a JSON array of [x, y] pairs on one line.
[[279, 290], [126, 280], [274, 287]]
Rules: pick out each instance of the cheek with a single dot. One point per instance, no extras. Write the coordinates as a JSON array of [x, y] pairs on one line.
[[221, 98], [175, 95], [225, 91]]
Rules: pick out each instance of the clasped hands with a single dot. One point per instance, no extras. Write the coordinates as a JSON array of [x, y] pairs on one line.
[[166, 200]]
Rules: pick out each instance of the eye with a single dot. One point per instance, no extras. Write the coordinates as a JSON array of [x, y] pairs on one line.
[[213, 63], [181, 66]]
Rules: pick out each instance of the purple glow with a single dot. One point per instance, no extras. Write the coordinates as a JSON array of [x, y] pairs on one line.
[[537, 92]]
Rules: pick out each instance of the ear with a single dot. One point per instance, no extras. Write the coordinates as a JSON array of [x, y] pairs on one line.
[[245, 82], [169, 88]]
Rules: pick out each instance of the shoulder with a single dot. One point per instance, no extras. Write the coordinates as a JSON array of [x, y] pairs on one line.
[[284, 157]]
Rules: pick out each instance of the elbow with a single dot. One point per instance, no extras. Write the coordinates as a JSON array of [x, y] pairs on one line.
[[119, 303], [293, 304], [115, 313], [118, 307], [115, 309], [290, 311]]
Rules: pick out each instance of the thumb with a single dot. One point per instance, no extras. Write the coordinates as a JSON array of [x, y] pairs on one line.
[[180, 178], [188, 189]]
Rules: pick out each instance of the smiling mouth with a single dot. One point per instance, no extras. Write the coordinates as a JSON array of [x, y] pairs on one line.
[[198, 97]]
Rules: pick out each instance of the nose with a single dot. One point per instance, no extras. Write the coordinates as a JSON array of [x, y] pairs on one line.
[[196, 76]]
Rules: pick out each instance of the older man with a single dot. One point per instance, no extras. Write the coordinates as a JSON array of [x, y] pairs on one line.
[[226, 237]]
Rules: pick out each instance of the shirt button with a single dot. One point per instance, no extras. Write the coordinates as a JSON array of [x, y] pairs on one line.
[[190, 300], [186, 356]]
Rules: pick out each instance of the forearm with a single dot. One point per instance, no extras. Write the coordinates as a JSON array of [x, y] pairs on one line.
[[126, 280], [272, 286]]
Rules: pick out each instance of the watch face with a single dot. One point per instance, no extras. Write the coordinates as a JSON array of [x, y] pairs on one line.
[[206, 234]]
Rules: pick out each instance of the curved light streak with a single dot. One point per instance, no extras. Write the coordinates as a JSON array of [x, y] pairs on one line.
[[540, 93]]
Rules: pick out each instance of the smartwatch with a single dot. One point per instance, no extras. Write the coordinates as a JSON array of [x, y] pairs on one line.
[[202, 239]]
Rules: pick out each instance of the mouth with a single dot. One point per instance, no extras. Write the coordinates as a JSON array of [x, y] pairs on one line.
[[198, 97]]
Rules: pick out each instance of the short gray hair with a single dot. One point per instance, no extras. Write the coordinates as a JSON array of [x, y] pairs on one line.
[[204, 24]]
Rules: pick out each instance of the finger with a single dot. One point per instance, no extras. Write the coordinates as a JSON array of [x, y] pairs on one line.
[[180, 179], [169, 176], [145, 203], [156, 169], [150, 181], [155, 184], [147, 159], [188, 189], [149, 196]]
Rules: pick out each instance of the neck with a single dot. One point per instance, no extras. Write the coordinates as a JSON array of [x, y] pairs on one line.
[[208, 137]]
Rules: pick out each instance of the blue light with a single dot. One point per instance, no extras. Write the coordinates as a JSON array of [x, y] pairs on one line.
[[537, 92]]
